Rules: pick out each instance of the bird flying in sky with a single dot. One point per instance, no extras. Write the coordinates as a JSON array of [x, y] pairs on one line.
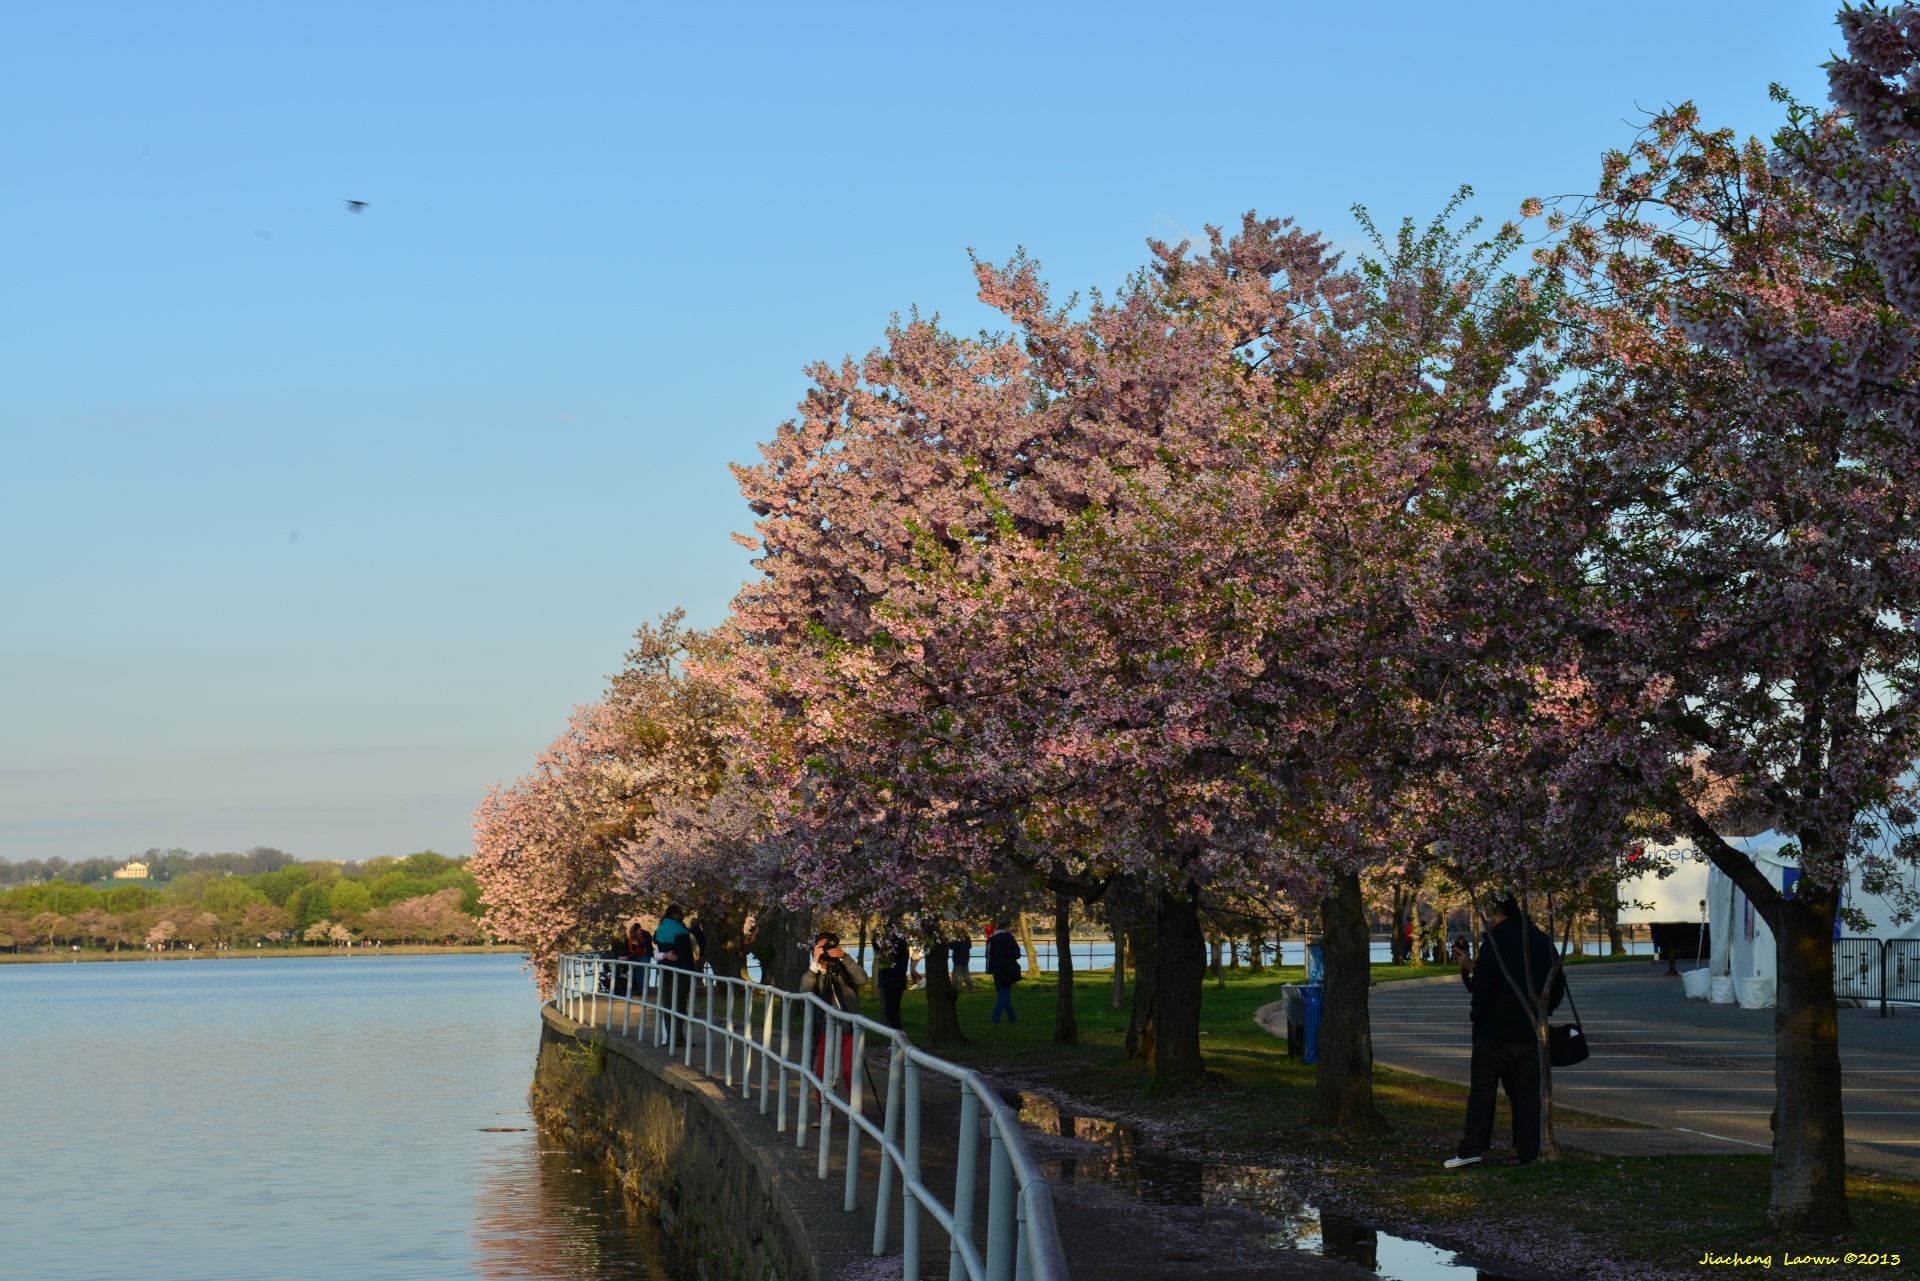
[[356, 206]]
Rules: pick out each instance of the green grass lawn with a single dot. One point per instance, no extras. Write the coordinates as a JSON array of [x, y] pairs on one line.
[[1641, 1213]]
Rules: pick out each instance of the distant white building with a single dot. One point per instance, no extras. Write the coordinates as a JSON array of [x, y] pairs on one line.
[[134, 871]]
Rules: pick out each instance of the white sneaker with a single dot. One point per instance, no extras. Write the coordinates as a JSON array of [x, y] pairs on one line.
[[1455, 1162]]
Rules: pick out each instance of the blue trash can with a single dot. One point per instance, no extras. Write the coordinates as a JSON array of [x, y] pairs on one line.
[[1313, 994]]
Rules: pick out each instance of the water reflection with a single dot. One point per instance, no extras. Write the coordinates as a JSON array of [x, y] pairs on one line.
[[538, 1216], [1116, 1159]]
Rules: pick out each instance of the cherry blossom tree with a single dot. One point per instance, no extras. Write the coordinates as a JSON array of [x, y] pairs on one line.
[[626, 811], [264, 920], [1746, 455], [907, 516], [1150, 594]]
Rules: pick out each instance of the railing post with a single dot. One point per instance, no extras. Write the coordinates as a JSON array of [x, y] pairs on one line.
[[746, 1045], [625, 970], [1886, 982], [726, 1048], [855, 1098], [890, 1135], [910, 1180], [966, 1167], [786, 1052], [766, 1044], [706, 1033], [1000, 1209], [830, 1052], [692, 1002], [1023, 1248], [806, 1066]]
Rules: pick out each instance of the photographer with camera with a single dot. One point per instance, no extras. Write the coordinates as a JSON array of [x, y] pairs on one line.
[[835, 978]]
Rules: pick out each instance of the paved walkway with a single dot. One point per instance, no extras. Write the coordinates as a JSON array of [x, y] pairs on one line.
[[1702, 1073]]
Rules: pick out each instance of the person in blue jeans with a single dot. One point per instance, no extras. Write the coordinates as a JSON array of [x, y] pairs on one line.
[[1003, 966]]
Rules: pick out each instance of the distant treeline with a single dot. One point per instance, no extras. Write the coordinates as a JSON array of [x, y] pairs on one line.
[[207, 900], [162, 865]]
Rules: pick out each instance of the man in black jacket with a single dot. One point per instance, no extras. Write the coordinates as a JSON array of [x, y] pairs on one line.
[[1003, 965], [1515, 957], [896, 964]]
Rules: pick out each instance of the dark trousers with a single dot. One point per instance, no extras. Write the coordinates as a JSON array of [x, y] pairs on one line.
[[681, 991], [890, 1000], [1003, 1000], [1514, 1065]]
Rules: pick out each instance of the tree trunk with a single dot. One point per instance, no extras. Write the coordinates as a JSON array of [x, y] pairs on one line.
[[1343, 1090], [1215, 949], [1142, 1023], [1809, 1143], [1397, 949], [1180, 959], [1118, 1000], [782, 946], [943, 1002], [1026, 942], [1616, 946], [1256, 951], [1065, 1030], [726, 944]]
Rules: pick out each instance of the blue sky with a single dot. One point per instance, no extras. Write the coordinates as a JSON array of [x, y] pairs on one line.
[[314, 524]]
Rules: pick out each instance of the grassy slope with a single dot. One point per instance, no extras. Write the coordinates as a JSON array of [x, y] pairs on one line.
[[1575, 1216]]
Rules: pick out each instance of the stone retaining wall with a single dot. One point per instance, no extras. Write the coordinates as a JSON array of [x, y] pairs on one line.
[[667, 1136]]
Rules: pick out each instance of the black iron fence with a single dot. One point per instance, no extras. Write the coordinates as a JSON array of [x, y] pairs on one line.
[[1901, 969], [1882, 970]]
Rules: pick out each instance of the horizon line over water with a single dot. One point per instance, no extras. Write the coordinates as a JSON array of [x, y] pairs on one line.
[[251, 1120]]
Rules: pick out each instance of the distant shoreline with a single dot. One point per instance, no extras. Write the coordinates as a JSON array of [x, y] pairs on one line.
[[257, 953]]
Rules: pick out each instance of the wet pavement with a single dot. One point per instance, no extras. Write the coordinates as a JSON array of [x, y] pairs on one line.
[[1210, 1219]]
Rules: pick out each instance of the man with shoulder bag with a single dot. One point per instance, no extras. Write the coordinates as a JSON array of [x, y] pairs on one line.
[[1515, 957]]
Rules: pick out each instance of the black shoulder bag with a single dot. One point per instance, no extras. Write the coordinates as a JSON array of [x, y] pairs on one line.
[[1567, 1042]]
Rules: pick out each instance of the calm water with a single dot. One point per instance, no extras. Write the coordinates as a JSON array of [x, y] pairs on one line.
[[197, 1120]]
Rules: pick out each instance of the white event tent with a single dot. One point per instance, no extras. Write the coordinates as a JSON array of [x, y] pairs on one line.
[[1743, 965]]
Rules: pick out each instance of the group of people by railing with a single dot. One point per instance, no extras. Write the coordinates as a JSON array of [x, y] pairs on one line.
[[679, 942]]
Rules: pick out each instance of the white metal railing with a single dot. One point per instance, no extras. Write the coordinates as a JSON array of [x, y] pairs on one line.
[[1022, 1235]]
